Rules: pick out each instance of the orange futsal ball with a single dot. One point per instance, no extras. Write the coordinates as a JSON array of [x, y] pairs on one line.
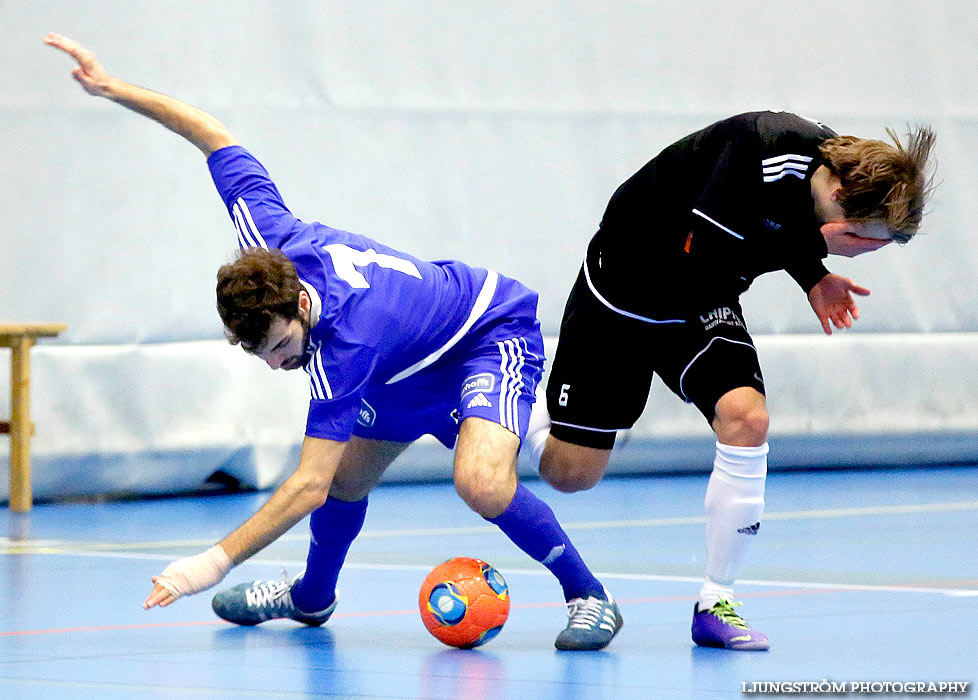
[[464, 602]]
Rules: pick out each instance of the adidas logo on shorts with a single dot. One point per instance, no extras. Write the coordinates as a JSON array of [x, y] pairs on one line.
[[479, 400]]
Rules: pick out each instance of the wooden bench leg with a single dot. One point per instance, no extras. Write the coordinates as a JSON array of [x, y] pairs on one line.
[[20, 426]]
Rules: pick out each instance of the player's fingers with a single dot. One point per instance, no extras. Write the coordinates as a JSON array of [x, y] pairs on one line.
[[159, 596], [54, 39], [85, 58], [825, 325], [62, 42], [858, 289]]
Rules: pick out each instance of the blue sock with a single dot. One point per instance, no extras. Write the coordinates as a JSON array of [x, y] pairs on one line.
[[532, 526], [334, 526]]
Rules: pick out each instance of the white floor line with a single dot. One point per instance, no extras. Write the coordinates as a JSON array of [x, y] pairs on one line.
[[111, 550], [11, 546], [298, 565]]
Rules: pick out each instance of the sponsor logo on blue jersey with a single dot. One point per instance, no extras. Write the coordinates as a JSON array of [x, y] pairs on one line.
[[478, 382]]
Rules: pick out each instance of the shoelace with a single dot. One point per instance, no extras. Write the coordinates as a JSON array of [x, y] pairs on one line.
[[724, 610], [584, 614], [267, 593]]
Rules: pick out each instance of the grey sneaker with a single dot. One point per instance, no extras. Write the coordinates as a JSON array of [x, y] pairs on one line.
[[592, 625], [259, 601]]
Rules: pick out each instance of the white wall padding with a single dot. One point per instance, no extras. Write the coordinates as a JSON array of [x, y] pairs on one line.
[[161, 418], [490, 132]]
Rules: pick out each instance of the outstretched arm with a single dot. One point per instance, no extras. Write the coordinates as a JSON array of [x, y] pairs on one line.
[[197, 126], [296, 498], [832, 301]]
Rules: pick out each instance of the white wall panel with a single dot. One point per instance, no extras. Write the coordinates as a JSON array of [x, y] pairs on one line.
[[492, 132]]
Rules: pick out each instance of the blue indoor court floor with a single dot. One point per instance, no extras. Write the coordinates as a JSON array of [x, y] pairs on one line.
[[855, 576]]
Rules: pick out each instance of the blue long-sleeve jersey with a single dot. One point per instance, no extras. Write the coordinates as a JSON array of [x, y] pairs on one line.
[[378, 314]]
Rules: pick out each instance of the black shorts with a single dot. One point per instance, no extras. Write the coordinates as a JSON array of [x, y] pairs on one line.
[[605, 359]]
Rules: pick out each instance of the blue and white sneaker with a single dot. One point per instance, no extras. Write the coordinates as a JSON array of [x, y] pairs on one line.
[[593, 622], [260, 601]]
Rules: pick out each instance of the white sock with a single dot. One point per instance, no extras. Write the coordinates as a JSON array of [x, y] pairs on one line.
[[712, 592], [538, 429], [734, 505]]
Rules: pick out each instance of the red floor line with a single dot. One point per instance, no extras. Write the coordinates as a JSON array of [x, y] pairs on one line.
[[109, 628]]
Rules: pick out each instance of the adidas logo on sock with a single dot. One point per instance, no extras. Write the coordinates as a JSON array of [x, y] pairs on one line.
[[750, 529], [479, 400]]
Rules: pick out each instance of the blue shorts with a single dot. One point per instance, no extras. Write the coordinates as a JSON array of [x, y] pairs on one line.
[[493, 376]]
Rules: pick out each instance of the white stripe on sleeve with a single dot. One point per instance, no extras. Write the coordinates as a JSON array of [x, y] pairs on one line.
[[318, 384], [245, 240], [787, 156], [775, 168], [256, 234], [237, 228], [321, 373]]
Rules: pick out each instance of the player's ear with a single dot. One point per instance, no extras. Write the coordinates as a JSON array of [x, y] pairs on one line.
[[305, 303]]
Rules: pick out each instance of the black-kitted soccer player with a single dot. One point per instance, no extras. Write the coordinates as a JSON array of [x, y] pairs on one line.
[[659, 290]]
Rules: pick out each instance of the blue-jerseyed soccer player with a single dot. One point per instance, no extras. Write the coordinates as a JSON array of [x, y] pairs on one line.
[[395, 348]]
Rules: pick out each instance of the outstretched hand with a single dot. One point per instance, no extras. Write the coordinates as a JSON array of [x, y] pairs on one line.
[[832, 301], [89, 72], [188, 576], [158, 596]]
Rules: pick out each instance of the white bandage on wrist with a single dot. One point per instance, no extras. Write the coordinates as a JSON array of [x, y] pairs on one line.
[[197, 573]]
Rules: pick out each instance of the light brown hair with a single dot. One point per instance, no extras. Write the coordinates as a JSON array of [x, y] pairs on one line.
[[886, 182], [252, 290]]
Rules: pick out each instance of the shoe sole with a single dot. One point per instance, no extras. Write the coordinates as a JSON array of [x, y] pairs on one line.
[[755, 645]]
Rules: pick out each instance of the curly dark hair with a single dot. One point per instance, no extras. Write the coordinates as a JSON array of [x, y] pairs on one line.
[[252, 290], [881, 181]]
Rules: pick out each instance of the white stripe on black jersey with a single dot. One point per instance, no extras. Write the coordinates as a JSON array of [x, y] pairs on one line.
[[789, 164], [718, 224]]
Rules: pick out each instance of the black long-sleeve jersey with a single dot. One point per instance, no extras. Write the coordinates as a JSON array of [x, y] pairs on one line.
[[704, 218]]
